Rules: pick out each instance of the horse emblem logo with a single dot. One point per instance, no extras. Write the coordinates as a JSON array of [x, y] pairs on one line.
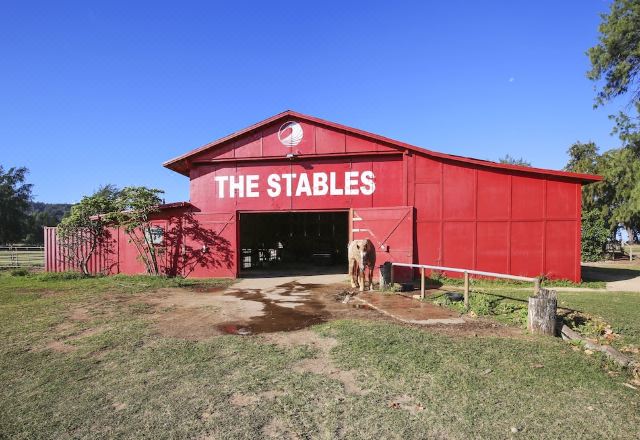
[[290, 134]]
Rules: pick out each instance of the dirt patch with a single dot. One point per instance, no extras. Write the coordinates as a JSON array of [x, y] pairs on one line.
[[176, 297], [88, 332], [406, 403], [326, 367], [118, 406], [80, 314], [63, 327], [59, 347], [302, 337], [189, 314], [478, 328], [187, 324], [240, 400], [272, 394], [289, 306], [322, 363], [208, 414], [47, 293], [276, 428]]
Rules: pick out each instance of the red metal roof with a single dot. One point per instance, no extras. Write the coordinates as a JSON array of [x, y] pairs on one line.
[[173, 205], [181, 164], [162, 207]]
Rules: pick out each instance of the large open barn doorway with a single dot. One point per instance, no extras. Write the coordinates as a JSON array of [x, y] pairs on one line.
[[293, 242]]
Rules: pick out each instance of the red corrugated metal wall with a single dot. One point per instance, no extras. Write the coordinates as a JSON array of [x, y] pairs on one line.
[[105, 258], [496, 221], [200, 245], [463, 214]]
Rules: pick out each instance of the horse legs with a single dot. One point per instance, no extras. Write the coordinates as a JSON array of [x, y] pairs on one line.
[[362, 273], [353, 272], [371, 278]]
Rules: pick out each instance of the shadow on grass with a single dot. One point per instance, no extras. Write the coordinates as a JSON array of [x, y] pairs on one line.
[[591, 273]]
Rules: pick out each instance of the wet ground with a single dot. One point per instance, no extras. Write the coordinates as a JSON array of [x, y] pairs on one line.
[[290, 306], [253, 306], [409, 310], [286, 304]]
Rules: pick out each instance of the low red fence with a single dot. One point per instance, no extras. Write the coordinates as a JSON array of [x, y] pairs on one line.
[[104, 259]]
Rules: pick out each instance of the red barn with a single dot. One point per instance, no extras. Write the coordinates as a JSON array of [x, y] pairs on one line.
[[295, 189]]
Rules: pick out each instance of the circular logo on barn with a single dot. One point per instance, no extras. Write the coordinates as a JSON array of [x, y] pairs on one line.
[[290, 134]]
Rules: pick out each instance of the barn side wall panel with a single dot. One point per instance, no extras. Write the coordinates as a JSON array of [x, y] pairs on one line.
[[496, 221]]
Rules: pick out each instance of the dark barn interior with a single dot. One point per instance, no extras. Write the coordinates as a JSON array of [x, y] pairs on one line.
[[303, 241]]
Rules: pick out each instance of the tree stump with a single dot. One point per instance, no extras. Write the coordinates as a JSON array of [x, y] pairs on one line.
[[542, 312]]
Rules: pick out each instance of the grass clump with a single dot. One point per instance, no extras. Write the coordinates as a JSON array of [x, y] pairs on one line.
[[61, 276], [19, 272], [483, 304]]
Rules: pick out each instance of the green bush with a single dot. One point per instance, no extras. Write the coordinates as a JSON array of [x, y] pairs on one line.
[[19, 272], [594, 236], [483, 304]]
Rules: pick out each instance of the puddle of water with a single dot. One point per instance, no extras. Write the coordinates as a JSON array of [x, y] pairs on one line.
[[279, 314]]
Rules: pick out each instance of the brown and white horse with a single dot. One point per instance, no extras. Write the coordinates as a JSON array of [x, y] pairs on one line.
[[362, 261]]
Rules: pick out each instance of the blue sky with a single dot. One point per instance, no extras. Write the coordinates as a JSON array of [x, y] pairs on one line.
[[94, 93]]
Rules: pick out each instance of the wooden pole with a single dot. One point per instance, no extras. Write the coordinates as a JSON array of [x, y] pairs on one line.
[[536, 286], [391, 276], [422, 286], [466, 290]]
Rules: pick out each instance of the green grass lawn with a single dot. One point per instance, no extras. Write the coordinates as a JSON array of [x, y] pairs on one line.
[[119, 378]]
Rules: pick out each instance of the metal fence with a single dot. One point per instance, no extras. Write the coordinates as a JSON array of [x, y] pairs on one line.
[[21, 256]]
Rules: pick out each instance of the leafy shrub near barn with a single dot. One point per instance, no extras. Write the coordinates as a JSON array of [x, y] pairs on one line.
[[594, 235]]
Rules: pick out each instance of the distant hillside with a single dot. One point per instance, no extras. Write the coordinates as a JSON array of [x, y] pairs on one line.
[[58, 210], [40, 215]]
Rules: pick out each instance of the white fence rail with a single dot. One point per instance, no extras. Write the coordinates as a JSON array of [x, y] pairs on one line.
[[21, 256], [466, 273]]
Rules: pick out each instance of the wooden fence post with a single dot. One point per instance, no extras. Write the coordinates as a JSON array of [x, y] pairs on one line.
[[466, 290], [536, 286], [422, 286]]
